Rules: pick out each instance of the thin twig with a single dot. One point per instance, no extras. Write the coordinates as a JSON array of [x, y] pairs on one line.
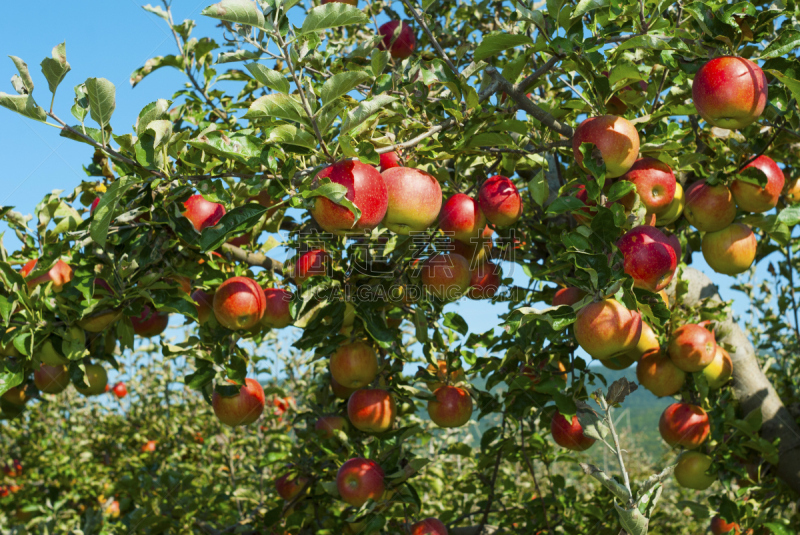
[[533, 475], [607, 408], [490, 498], [523, 86], [431, 38], [762, 151]]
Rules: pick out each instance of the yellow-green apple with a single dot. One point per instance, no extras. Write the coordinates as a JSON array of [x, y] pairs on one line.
[[354, 365], [792, 190], [686, 425], [150, 322], [647, 341], [242, 408], [461, 218], [691, 471], [729, 92], [534, 371], [656, 372], [359, 480], [720, 370], [398, 39], [341, 391], [567, 296], [59, 274], [202, 213], [730, 251], [276, 311], [97, 380], [450, 407], [655, 183], [99, 322], [389, 159], [499, 201], [120, 390], [649, 258], [326, 425], [290, 485], [619, 362], [615, 138], [606, 329], [311, 263], [51, 379], [239, 303], [752, 197], [721, 527], [205, 304], [692, 347], [569, 434], [446, 276], [371, 410], [485, 281], [49, 355], [675, 209], [429, 526], [365, 188], [415, 199], [709, 208]]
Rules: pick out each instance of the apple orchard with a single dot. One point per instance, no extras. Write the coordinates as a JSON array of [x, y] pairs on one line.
[[592, 149]]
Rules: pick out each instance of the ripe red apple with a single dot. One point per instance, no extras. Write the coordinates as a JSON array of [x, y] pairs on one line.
[[606, 329], [720, 370], [120, 390], [675, 243], [675, 209], [690, 472], [51, 379], [60, 274], [365, 188], [446, 276], [656, 372], [500, 201], [371, 410], [354, 365], [692, 347], [341, 391], [400, 43], [616, 139], [720, 527], [686, 425], [276, 311], [752, 197], [202, 213], [415, 199], [327, 424], [205, 304], [451, 407], [429, 526], [359, 480], [149, 446], [485, 281], [239, 303], [150, 323], [655, 183], [731, 250], [97, 379], [309, 264], [567, 296], [709, 208], [389, 160], [649, 257], [569, 435], [730, 92], [461, 218], [440, 371], [290, 485], [242, 408]]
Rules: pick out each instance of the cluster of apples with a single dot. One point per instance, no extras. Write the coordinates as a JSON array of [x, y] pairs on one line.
[[13, 471]]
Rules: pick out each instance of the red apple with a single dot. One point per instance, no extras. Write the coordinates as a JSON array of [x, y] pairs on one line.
[[97, 379], [415, 199], [567, 296], [326, 425], [389, 160], [720, 527], [365, 188], [656, 372], [730, 92], [149, 446], [290, 485], [619, 362], [606, 329], [59, 274], [675, 243], [371, 410], [239, 303], [16, 395], [205, 304], [731, 250], [792, 190], [354, 365], [51, 379], [692, 347], [720, 370], [359, 480], [752, 197], [400, 43], [429, 526], [649, 257], [616, 139], [461, 218], [500, 201], [311, 263], [709, 208], [276, 311], [120, 390], [569, 435], [655, 184], [684, 425], [451, 407], [242, 408], [690, 472], [150, 323], [341, 391], [485, 281], [202, 213], [446, 276]]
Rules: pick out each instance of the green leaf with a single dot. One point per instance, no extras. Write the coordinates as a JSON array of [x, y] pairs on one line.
[[380, 58], [332, 15], [741, 9], [237, 55], [101, 94], [701, 512], [277, 106], [790, 215], [341, 84], [268, 77], [778, 529], [786, 42], [238, 147], [564, 204], [162, 130], [365, 110], [291, 135], [584, 6], [238, 220], [104, 212], [157, 10], [650, 41], [456, 322], [24, 105], [632, 520], [496, 42], [491, 139], [539, 188], [91, 133], [334, 193], [80, 109], [155, 63], [25, 75], [55, 68], [9, 380], [790, 83], [152, 112], [238, 11]]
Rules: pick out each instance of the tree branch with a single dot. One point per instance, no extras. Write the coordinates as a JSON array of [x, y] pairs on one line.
[[431, 38], [253, 259], [523, 86]]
